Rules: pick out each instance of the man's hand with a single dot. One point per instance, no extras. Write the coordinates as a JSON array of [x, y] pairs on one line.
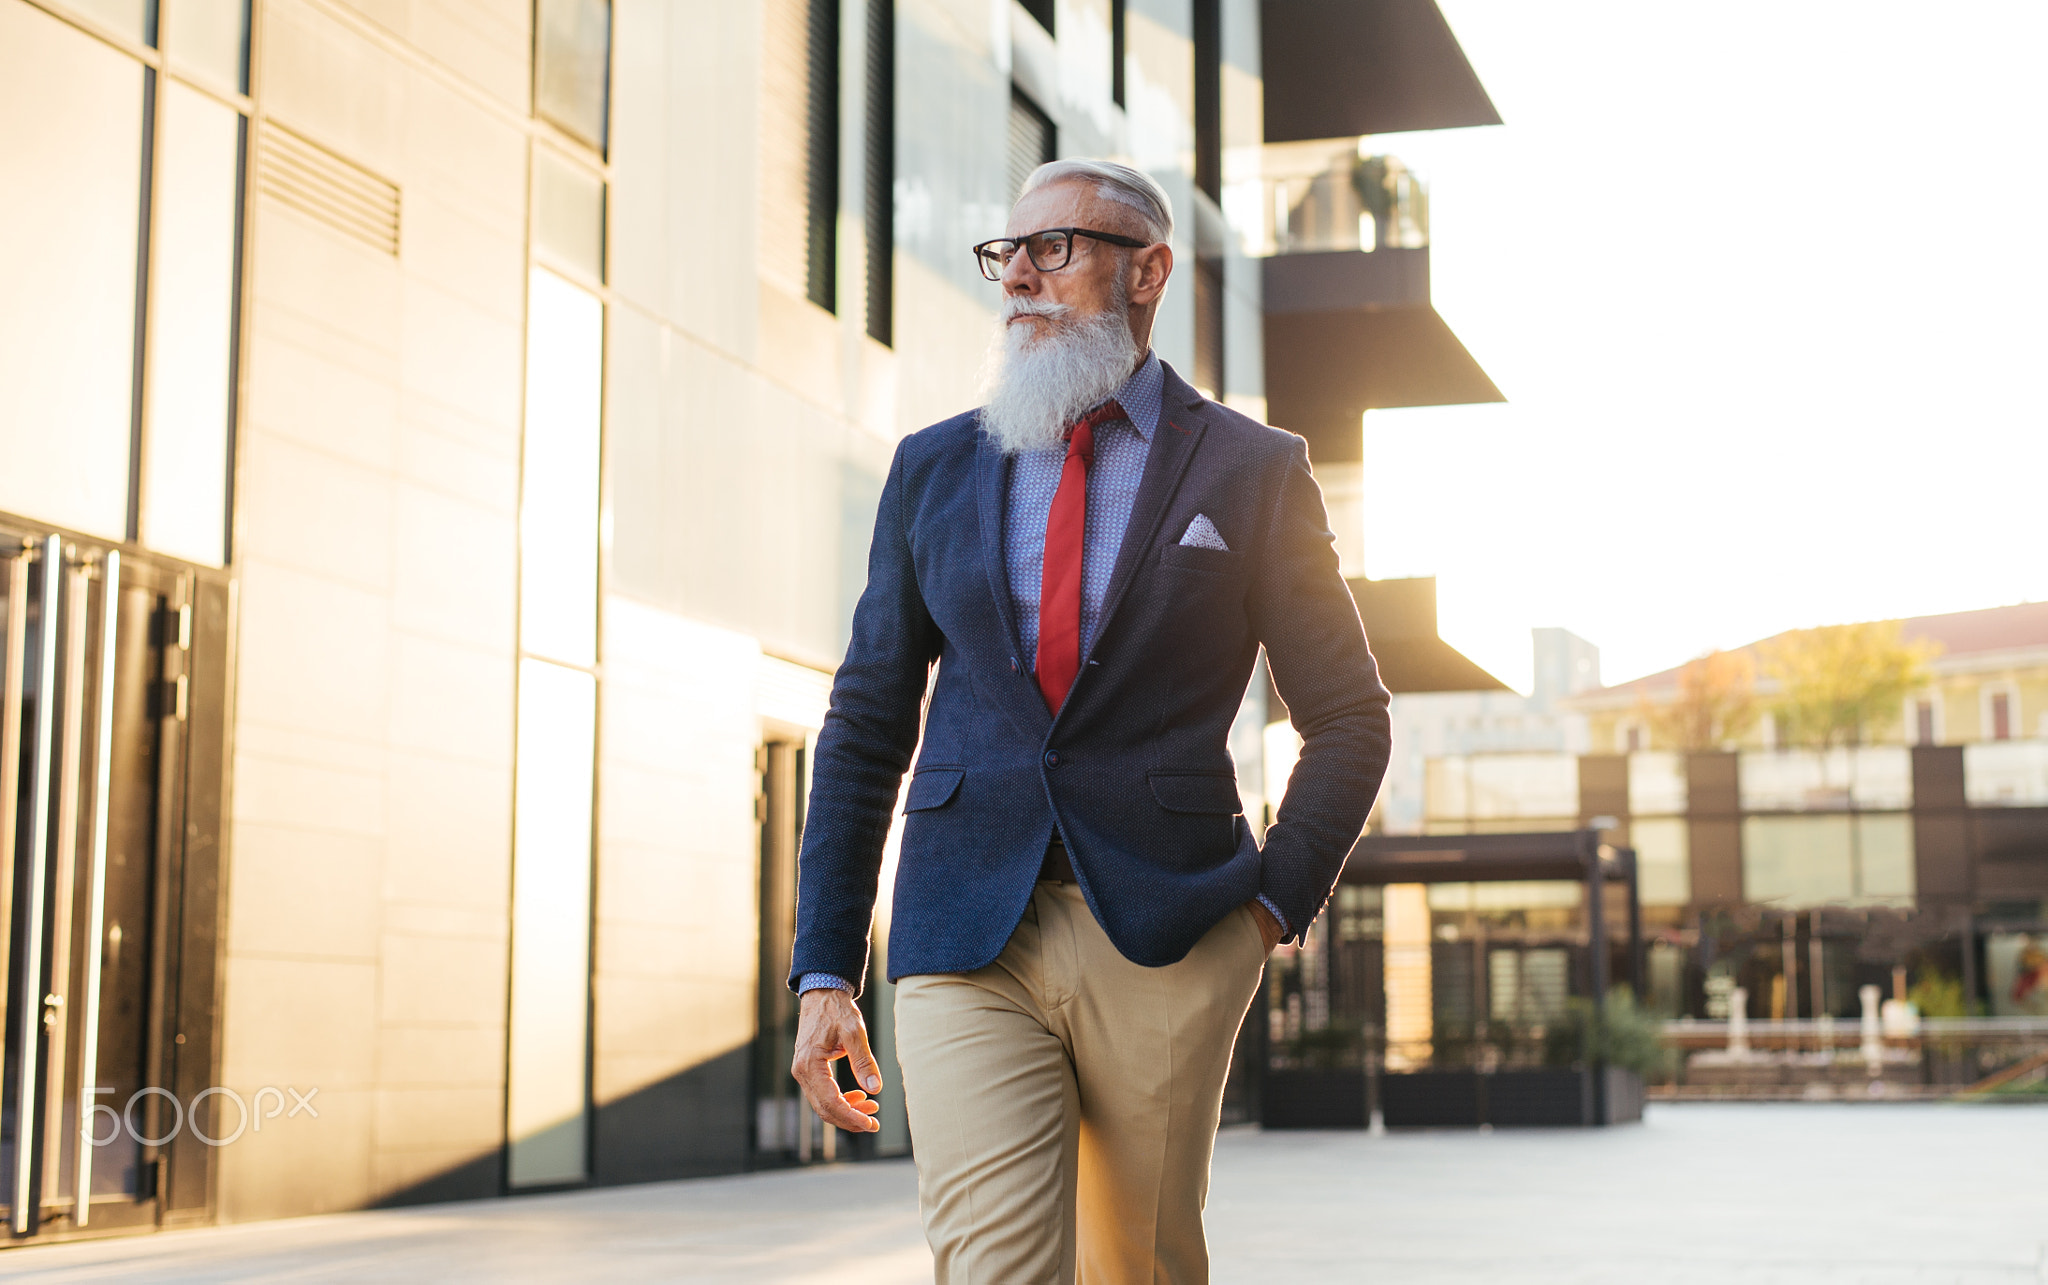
[[828, 1028], [1269, 927]]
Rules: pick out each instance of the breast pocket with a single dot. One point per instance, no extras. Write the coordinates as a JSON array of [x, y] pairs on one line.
[[1226, 563]]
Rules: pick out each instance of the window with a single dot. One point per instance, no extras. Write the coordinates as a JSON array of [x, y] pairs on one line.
[[800, 148], [568, 214], [554, 762], [547, 1092], [558, 513], [1925, 731], [1663, 859], [1801, 861], [191, 343], [1042, 12], [72, 131], [879, 214], [1208, 24], [1033, 140], [209, 38], [1998, 714], [1209, 325], [572, 66]]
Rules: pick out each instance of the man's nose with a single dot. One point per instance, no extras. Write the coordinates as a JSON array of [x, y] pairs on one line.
[[1020, 275]]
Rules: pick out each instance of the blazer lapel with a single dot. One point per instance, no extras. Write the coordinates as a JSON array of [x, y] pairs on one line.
[[991, 475], [1181, 423]]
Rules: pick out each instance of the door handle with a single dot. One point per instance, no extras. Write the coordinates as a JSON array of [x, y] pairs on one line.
[[96, 896]]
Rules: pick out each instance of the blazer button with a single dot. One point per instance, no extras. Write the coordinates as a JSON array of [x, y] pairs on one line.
[[1052, 758]]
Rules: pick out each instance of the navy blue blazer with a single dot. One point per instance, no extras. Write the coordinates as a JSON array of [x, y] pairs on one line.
[[1135, 772]]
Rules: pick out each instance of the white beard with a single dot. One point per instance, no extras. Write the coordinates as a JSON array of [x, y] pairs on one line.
[[1039, 384]]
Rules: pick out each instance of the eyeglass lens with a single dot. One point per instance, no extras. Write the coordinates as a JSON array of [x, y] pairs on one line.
[[1049, 252]]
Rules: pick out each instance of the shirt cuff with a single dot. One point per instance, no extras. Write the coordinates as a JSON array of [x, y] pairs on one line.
[[1264, 900], [822, 981]]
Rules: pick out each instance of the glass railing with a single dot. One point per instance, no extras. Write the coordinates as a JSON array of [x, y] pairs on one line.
[[1836, 780], [2011, 774], [1297, 198], [1509, 786]]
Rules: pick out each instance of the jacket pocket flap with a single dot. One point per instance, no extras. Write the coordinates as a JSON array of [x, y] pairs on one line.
[[1206, 792], [932, 787]]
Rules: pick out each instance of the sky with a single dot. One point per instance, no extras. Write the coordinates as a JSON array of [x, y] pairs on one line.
[[1763, 284]]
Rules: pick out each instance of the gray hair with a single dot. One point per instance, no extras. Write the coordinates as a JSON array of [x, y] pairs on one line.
[[1123, 184]]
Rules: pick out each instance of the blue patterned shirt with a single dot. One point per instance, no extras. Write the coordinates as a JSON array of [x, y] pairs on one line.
[[1119, 466]]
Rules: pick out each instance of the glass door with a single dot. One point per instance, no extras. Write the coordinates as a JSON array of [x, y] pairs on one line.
[[97, 697]]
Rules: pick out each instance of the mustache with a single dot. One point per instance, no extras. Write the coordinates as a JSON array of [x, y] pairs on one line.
[[1018, 305]]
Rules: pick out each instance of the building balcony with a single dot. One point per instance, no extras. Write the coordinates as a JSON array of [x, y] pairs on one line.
[[1343, 235], [1348, 67]]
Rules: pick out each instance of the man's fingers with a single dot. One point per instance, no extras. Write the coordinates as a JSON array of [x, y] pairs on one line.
[[851, 1111], [862, 1061]]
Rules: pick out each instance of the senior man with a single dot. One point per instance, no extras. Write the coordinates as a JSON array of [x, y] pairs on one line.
[[1081, 916]]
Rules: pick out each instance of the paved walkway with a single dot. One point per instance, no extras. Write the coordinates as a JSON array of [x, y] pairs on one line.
[[1804, 1195]]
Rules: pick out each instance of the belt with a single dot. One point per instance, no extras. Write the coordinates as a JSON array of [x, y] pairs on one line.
[[1057, 867]]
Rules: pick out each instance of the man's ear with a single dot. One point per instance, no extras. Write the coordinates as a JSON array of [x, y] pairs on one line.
[[1150, 267]]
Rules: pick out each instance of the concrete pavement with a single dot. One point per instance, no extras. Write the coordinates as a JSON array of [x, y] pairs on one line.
[[1799, 1194]]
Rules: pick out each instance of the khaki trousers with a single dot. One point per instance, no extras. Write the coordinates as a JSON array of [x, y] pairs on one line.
[[1064, 1101]]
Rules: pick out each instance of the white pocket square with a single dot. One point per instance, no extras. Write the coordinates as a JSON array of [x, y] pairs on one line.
[[1202, 534]]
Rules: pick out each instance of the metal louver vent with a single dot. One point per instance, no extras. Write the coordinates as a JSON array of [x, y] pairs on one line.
[[299, 173]]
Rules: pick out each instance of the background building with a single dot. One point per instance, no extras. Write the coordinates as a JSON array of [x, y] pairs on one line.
[[1915, 860], [1987, 680], [1435, 724], [436, 468]]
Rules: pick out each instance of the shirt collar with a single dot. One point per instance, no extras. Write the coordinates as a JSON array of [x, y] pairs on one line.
[[1143, 395]]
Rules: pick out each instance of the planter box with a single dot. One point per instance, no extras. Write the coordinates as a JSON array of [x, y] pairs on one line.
[[1431, 1100], [1624, 1096], [1532, 1097], [1539, 1097], [1313, 1100]]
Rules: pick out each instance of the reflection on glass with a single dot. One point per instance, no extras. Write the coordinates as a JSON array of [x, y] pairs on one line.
[[568, 213], [71, 137], [1663, 859], [1509, 786], [573, 66], [185, 473], [551, 869], [558, 503], [1796, 862], [209, 38], [135, 19]]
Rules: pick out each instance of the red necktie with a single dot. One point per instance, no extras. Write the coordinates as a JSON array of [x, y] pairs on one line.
[[1059, 587]]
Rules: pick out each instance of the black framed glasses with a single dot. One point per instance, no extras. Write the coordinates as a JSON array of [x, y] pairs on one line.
[[1050, 250]]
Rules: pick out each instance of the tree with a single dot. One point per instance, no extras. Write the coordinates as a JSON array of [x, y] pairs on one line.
[[1716, 703], [1842, 684]]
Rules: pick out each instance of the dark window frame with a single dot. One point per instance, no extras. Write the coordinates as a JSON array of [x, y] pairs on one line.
[[879, 196]]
